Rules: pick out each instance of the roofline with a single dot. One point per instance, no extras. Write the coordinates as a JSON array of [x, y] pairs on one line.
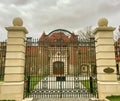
[[60, 30]]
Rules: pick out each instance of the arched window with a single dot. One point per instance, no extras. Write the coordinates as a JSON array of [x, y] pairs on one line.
[[58, 64]]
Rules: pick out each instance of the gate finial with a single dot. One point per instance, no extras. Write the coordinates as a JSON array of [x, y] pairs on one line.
[[103, 22], [17, 21]]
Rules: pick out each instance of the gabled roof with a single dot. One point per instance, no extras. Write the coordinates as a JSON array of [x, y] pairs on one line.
[[58, 36], [43, 37]]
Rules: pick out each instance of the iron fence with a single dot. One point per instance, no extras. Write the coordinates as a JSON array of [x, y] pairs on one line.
[[60, 69], [117, 58], [2, 59]]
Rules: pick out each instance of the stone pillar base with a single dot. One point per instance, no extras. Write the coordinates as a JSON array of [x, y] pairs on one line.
[[11, 91], [108, 89]]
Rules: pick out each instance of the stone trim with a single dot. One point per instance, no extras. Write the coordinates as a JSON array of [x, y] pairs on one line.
[[108, 82], [103, 28], [12, 83], [17, 28]]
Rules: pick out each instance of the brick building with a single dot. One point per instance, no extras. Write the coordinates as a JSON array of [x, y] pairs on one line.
[[60, 53]]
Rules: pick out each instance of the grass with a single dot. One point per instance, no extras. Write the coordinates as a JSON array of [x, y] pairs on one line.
[[33, 80], [86, 83], [114, 98]]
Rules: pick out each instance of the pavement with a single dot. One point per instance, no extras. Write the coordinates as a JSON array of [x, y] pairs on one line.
[[50, 83], [62, 99]]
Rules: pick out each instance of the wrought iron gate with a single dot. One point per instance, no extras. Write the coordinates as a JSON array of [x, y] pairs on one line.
[[59, 65], [2, 59]]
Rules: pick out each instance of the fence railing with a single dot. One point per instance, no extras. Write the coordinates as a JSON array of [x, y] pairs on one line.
[[2, 59], [48, 70], [117, 58]]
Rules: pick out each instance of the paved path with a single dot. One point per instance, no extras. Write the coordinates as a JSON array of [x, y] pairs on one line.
[[50, 83], [62, 99]]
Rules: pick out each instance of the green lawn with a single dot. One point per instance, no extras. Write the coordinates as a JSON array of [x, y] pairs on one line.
[[33, 80], [86, 83], [113, 98]]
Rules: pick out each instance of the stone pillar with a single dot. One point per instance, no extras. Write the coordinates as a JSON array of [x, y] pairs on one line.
[[13, 86], [105, 59]]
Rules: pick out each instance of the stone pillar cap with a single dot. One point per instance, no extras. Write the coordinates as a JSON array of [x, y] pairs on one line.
[[17, 21], [102, 22], [17, 25], [103, 26]]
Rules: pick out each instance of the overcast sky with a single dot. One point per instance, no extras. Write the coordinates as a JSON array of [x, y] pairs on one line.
[[48, 15]]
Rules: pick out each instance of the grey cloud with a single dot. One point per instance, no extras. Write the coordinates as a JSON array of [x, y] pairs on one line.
[[16, 2], [47, 15]]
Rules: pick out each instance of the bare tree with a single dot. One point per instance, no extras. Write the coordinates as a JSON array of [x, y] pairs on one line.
[[85, 34]]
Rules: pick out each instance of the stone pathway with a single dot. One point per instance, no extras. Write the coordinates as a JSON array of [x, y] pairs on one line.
[[62, 99], [50, 83]]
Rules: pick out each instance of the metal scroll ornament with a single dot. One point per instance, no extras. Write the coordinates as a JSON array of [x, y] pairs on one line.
[[108, 70]]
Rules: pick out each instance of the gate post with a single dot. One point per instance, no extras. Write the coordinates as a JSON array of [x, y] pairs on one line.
[[13, 86], [105, 60]]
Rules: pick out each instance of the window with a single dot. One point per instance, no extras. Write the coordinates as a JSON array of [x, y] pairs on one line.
[[58, 64], [84, 68]]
